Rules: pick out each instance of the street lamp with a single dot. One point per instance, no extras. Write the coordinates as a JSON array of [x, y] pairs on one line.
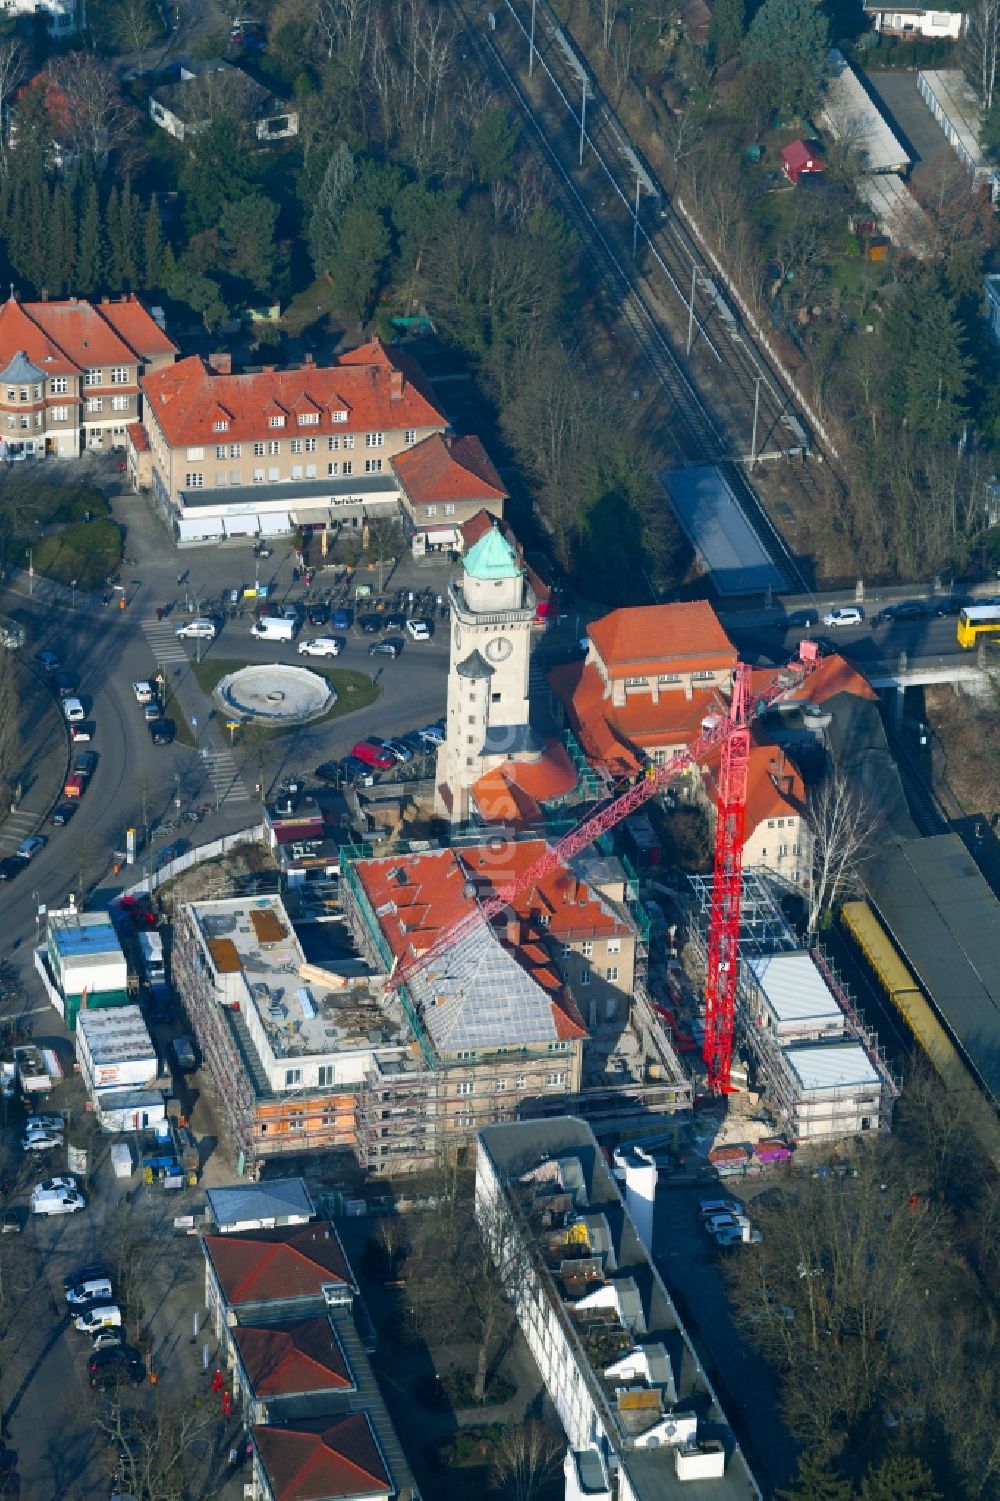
[[31, 570], [72, 584]]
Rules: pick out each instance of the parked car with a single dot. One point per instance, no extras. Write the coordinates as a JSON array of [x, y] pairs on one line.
[[73, 710], [151, 711], [395, 623], [61, 814], [385, 649], [717, 1222], [351, 770], [419, 630], [64, 685], [11, 868], [413, 743], [197, 630], [432, 734], [57, 1203], [41, 1141], [51, 1185], [45, 1123], [340, 620], [114, 1366], [11, 1221], [85, 764], [101, 1316], [736, 1237], [75, 785], [47, 661], [88, 1290], [322, 646], [144, 691], [401, 752], [844, 615], [804, 618], [369, 625], [107, 1339], [184, 1054], [29, 848], [86, 1273], [81, 733], [708, 1207], [907, 609], [953, 605], [373, 753], [317, 615], [161, 731]]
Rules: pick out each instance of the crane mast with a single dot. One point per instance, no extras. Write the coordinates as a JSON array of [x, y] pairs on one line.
[[731, 732]]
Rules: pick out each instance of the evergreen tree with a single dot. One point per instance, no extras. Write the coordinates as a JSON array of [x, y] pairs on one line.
[[247, 230], [221, 169], [39, 217], [113, 274], [89, 255], [899, 1479], [792, 39], [816, 1480], [152, 246], [62, 239], [492, 145], [362, 251], [727, 29], [328, 210], [131, 239]]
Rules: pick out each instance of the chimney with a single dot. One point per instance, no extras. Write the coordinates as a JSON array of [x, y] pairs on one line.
[[267, 369], [307, 358], [513, 932], [395, 384], [221, 362]]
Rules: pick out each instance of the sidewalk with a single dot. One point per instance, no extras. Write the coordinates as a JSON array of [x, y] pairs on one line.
[[42, 774]]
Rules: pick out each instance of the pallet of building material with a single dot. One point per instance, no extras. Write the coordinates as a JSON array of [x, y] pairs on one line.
[[733, 1154], [772, 1150]]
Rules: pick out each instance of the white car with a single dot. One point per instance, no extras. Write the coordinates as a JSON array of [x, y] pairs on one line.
[[717, 1222], [736, 1235], [144, 691], [73, 710], [44, 1123], [432, 734], [66, 1181], [58, 1203], [419, 630], [709, 1207], [197, 630], [41, 1141], [844, 615], [321, 646]]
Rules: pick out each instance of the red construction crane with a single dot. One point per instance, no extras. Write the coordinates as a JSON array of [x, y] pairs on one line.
[[731, 732]]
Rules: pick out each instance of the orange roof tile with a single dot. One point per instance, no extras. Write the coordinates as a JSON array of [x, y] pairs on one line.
[[138, 437], [833, 675], [78, 329], [375, 395], [334, 1458], [512, 793], [272, 1266], [442, 468], [136, 326], [775, 788], [19, 331], [672, 635], [613, 736], [293, 1358]]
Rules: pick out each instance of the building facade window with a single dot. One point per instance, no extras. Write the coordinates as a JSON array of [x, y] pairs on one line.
[[465, 1086], [346, 467], [554, 1081], [614, 945], [333, 469], [587, 948], [60, 414], [94, 378], [293, 1076], [119, 403], [430, 510], [273, 447], [374, 440], [296, 445], [235, 450], [219, 427], [59, 385], [613, 972], [308, 419], [296, 1121], [449, 509], [194, 481], [258, 450], [221, 451], [410, 436], [338, 416], [348, 440], [95, 403], [585, 975], [258, 476], [310, 445], [325, 1075], [119, 375], [373, 466]]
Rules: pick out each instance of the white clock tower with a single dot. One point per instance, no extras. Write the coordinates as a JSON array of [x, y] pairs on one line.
[[492, 609]]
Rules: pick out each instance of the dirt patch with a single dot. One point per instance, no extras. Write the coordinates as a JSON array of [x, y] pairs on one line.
[[969, 735]]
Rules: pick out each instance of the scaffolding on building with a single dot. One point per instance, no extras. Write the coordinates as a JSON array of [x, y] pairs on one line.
[[590, 784], [864, 1033], [763, 928]]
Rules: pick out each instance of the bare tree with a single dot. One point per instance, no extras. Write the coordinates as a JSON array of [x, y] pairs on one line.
[[96, 119], [11, 73], [164, 1451], [841, 824], [982, 49], [390, 1237], [136, 25], [525, 1459]]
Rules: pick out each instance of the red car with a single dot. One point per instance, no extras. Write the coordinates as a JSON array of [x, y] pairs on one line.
[[373, 753]]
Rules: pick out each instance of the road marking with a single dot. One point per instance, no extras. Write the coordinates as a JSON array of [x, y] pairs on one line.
[[225, 777], [165, 645]]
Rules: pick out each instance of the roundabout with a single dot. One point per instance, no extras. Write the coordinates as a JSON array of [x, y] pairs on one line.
[[275, 694]]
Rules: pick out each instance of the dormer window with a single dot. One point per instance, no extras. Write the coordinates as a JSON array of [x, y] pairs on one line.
[[221, 426], [278, 421], [308, 419], [338, 416]]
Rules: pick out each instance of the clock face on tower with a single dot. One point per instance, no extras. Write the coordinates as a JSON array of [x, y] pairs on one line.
[[498, 649]]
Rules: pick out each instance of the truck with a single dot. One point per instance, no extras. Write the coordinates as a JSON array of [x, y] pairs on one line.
[[151, 955], [32, 1074]]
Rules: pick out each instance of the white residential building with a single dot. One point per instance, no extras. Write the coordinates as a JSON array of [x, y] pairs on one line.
[[911, 21], [642, 1420], [60, 15]]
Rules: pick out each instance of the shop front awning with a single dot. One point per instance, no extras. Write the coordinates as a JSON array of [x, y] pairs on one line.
[[442, 536], [313, 516], [269, 523], [190, 527]]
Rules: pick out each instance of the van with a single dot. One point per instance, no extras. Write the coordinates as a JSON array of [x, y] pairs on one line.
[[274, 628], [91, 1290], [106, 1316], [183, 1051]]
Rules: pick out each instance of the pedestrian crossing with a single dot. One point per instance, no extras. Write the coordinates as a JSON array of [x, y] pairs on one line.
[[18, 824], [163, 643], [228, 785]]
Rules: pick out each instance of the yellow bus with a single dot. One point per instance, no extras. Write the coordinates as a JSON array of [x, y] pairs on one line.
[[976, 621]]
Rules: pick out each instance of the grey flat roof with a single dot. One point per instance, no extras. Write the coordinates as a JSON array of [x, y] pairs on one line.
[[945, 919], [249, 1203], [715, 524], [295, 492], [849, 113]]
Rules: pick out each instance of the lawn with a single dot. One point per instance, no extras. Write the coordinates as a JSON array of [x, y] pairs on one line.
[[354, 690], [86, 552]]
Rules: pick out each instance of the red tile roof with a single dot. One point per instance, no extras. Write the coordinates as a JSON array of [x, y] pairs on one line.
[[512, 793], [667, 638], [379, 394], [293, 1359], [774, 787], [273, 1266], [614, 737], [833, 675], [442, 468], [138, 437], [339, 1460], [63, 338]]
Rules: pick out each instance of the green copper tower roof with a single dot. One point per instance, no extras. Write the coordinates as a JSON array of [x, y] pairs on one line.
[[492, 557]]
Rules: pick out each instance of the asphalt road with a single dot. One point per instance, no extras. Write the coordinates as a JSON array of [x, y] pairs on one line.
[[761, 635]]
